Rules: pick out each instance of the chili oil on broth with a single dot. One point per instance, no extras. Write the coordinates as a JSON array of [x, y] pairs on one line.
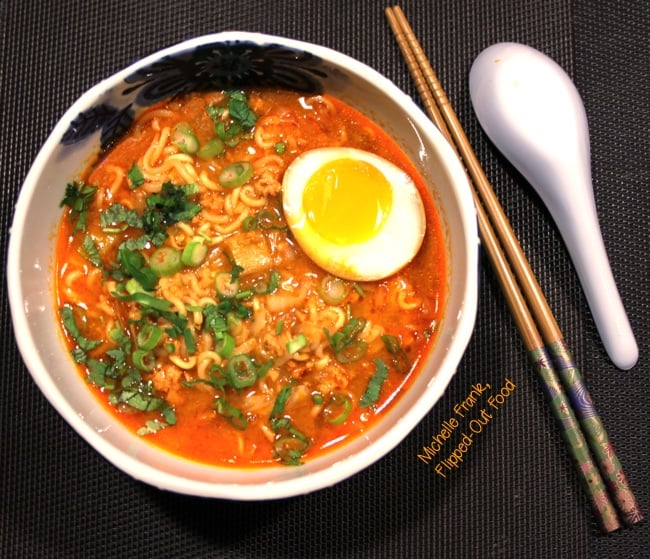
[[406, 306]]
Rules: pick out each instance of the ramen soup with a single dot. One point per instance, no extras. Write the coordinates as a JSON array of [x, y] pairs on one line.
[[189, 302]]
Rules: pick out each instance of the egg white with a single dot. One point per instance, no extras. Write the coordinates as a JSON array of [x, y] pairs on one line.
[[389, 250]]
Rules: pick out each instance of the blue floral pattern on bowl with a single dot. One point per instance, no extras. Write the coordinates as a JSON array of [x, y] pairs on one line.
[[208, 67]]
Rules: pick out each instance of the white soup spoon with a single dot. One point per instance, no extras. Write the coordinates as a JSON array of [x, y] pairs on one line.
[[531, 110]]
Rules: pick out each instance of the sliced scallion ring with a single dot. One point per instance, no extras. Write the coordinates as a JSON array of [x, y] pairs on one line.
[[165, 261], [241, 371], [352, 352], [236, 174], [143, 360], [212, 148], [333, 290], [194, 253], [225, 285], [337, 409], [149, 336], [183, 138]]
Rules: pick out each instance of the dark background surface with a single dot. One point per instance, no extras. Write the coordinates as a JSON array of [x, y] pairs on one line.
[[516, 494]]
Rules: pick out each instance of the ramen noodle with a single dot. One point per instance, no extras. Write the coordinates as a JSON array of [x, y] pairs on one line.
[[193, 313]]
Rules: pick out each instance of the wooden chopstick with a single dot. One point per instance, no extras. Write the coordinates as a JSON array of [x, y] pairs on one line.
[[571, 389]]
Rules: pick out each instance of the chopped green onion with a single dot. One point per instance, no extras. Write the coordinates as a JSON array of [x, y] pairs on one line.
[[236, 174], [165, 261], [145, 300], [249, 223], [289, 449], [225, 285], [337, 409], [194, 253], [241, 371], [296, 344], [400, 359], [371, 395], [352, 352], [280, 402], [359, 290], [225, 344], [212, 148], [143, 359], [273, 283], [317, 398], [183, 138], [333, 290], [280, 148], [133, 286], [236, 417], [148, 337], [279, 325]]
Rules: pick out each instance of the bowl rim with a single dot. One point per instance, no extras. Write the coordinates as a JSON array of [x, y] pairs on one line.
[[296, 485]]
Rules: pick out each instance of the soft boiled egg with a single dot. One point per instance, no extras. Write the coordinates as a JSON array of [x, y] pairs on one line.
[[355, 214]]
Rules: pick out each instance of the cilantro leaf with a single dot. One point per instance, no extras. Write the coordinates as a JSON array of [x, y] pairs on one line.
[[240, 111], [78, 196], [371, 395], [90, 251], [135, 176]]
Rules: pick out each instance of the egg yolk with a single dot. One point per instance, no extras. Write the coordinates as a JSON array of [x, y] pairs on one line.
[[347, 201]]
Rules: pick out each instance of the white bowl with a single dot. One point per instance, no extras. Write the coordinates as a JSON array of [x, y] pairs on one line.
[[110, 105]]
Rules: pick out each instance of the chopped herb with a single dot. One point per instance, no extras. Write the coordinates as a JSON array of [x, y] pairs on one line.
[[90, 251], [134, 265], [116, 218], [240, 111], [151, 427], [280, 148], [344, 342], [236, 417], [400, 359], [135, 176], [67, 317], [296, 344], [280, 402], [78, 197], [337, 409], [371, 395]]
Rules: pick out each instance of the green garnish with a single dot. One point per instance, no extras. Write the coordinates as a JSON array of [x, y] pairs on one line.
[[165, 261], [241, 371], [68, 319], [400, 359], [236, 174], [280, 148], [236, 417], [90, 251], [337, 409], [241, 118], [212, 148], [184, 138], [347, 348], [280, 403], [371, 395], [296, 344], [240, 111], [135, 176], [148, 336], [78, 197]]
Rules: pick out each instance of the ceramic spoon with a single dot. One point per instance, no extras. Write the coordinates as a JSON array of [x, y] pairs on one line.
[[532, 112]]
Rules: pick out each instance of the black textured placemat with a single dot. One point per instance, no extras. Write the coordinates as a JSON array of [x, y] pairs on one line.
[[516, 493]]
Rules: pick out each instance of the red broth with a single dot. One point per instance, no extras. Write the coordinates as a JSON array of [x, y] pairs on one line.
[[267, 364]]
